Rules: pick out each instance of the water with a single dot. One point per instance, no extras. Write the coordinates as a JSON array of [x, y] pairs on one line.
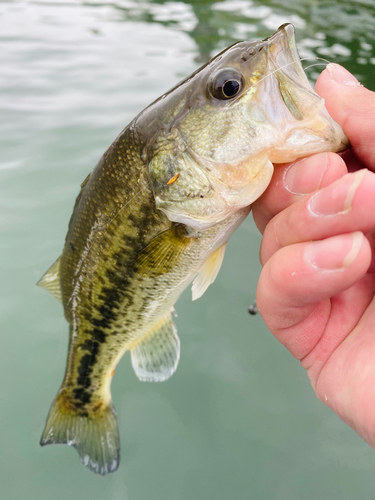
[[239, 418]]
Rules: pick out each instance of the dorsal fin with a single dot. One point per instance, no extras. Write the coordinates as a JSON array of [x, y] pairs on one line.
[[85, 181], [208, 272], [155, 356], [51, 280]]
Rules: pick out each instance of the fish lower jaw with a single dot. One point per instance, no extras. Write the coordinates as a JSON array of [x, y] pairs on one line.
[[305, 142]]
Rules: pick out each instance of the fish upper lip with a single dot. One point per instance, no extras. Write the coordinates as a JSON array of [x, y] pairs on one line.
[[283, 42], [286, 34], [283, 58]]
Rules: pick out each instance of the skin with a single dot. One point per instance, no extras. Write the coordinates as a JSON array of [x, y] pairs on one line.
[[316, 289]]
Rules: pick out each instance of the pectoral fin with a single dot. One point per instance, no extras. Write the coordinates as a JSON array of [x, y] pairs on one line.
[[208, 272], [51, 280], [155, 356], [164, 252]]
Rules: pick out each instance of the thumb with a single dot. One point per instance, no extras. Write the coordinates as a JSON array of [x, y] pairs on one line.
[[353, 107]]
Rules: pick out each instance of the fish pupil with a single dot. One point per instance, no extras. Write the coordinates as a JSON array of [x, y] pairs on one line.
[[225, 84], [231, 88]]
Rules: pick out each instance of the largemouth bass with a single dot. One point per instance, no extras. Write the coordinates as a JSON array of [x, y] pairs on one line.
[[156, 213]]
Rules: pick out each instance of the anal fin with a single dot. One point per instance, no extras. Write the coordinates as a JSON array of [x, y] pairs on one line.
[[155, 356], [208, 272], [51, 280]]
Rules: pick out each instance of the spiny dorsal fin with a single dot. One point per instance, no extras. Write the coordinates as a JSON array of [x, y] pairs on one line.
[[208, 272], [51, 280], [155, 356], [85, 181]]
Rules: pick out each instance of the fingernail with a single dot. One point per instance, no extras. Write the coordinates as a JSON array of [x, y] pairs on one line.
[[342, 76], [305, 176], [336, 199], [336, 253]]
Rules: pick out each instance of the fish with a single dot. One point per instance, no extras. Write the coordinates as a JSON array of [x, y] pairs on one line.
[[155, 215]]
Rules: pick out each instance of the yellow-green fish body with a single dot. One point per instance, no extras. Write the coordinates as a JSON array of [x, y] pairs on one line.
[[157, 212]]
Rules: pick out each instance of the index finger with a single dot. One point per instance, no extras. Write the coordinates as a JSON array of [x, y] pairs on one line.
[[292, 181]]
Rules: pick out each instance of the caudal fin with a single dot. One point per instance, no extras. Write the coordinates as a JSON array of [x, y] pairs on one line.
[[95, 436]]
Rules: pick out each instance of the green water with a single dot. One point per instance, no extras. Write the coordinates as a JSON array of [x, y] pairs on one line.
[[239, 419]]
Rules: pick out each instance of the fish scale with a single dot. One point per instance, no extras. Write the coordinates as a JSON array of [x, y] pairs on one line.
[[121, 240]]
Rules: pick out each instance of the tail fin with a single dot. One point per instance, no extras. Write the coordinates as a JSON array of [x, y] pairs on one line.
[[95, 436]]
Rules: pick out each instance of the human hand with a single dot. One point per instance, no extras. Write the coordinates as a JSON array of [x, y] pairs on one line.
[[316, 289]]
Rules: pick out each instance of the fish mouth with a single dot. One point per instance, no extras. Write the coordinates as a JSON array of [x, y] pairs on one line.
[[300, 113], [284, 57]]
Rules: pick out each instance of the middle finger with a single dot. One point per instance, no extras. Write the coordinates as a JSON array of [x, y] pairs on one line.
[[345, 206]]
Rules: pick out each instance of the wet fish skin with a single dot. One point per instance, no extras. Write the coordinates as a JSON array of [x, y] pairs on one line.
[[156, 211]]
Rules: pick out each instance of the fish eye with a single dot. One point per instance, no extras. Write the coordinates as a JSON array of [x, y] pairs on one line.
[[226, 84]]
